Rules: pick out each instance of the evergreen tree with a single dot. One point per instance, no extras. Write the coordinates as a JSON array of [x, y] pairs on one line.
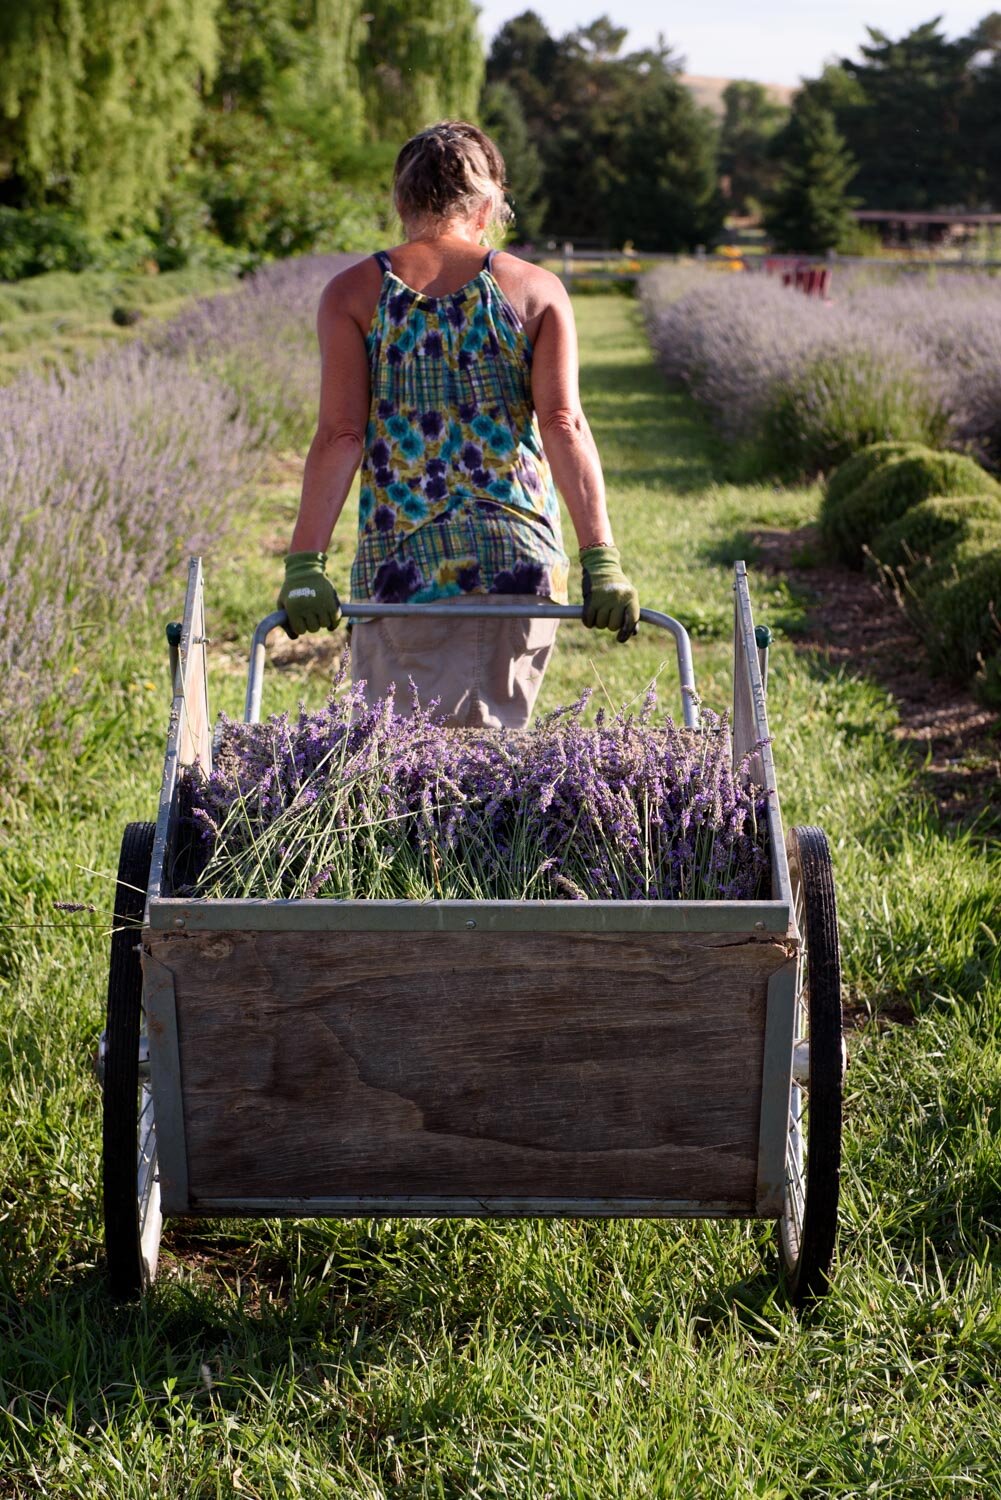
[[905, 129], [665, 193], [810, 210], [524, 55], [750, 122], [502, 118], [837, 90], [585, 99], [626, 154], [98, 101], [980, 127]]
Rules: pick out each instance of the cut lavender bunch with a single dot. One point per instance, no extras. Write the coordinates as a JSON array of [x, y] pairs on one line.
[[357, 802]]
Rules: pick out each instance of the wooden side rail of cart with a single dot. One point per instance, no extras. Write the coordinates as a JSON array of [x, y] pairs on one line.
[[320, 1057]]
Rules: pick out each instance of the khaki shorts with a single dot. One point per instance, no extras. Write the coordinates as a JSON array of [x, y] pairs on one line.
[[484, 673]]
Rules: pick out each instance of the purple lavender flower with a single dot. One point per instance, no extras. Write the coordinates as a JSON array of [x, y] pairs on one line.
[[895, 358], [358, 801]]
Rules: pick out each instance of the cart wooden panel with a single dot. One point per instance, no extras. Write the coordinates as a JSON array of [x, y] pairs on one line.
[[539, 1065], [491, 1057]]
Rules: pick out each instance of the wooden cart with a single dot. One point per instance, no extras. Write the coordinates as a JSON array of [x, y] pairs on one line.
[[342, 1058]]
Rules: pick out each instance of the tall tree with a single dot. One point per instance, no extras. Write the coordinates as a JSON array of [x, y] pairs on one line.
[[665, 194], [626, 154], [98, 101], [502, 117], [980, 128], [524, 56], [751, 119], [905, 129], [294, 62], [282, 163], [421, 61], [810, 210], [582, 112]]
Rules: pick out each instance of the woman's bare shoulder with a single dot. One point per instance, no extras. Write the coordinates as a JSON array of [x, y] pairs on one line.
[[353, 292], [531, 289], [541, 284]]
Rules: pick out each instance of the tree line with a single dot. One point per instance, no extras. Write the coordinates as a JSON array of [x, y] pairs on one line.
[[193, 128], [188, 129], [914, 124], [616, 148]]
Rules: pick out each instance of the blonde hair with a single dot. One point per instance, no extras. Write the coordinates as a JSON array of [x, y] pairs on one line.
[[448, 170]]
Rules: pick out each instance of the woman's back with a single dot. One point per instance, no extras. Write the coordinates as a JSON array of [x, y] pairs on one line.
[[456, 494]]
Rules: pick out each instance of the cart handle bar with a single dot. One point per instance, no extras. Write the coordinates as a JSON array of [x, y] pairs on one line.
[[367, 610]]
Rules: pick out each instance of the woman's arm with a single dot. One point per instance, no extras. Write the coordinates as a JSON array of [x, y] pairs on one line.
[[610, 600], [336, 449], [566, 437]]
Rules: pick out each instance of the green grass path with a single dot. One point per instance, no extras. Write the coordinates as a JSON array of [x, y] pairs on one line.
[[549, 1361]]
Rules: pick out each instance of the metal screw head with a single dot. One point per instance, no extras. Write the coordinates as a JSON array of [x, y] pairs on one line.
[[471, 923], [759, 926], [178, 921]]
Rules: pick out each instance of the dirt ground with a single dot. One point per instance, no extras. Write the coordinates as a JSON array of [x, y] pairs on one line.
[[856, 621]]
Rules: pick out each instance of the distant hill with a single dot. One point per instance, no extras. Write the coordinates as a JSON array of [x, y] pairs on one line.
[[709, 91]]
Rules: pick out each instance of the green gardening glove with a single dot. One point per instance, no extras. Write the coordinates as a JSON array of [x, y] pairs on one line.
[[308, 597], [610, 601]]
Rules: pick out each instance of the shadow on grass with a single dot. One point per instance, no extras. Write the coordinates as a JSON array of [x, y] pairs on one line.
[[321, 1301], [747, 544], [752, 1300], [774, 596], [663, 424]]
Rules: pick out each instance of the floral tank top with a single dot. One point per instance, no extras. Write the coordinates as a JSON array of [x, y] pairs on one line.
[[456, 494]]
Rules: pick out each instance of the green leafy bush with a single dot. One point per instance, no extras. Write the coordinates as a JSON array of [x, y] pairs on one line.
[[931, 527], [270, 195], [838, 403], [848, 476], [960, 608], [894, 488], [34, 242]]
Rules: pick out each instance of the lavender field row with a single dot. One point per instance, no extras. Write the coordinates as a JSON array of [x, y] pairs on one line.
[[796, 384], [111, 474]]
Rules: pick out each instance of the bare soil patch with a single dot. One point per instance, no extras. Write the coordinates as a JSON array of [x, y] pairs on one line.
[[855, 621]]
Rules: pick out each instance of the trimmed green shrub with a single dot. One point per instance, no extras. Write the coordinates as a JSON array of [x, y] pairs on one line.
[[960, 606], [894, 488], [848, 476], [923, 532], [837, 403]]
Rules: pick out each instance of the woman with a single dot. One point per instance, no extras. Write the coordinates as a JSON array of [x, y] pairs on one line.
[[451, 378]]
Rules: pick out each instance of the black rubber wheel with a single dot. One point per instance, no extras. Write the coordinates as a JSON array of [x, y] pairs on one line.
[[807, 1230], [131, 1187]]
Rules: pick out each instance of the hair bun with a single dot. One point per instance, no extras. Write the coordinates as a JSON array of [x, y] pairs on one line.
[[446, 171]]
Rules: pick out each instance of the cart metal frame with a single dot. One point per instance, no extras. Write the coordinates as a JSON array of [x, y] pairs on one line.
[[208, 988]]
